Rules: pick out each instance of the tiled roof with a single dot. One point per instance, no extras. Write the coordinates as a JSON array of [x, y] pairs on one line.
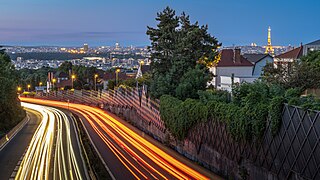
[[112, 76], [314, 43], [254, 58], [145, 68], [293, 54], [64, 83], [61, 74], [227, 59]]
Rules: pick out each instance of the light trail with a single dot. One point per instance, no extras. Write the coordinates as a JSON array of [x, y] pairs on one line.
[[141, 158], [42, 155]]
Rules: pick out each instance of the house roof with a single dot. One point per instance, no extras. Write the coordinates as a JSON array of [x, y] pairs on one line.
[[145, 68], [60, 74], [227, 59], [293, 54], [64, 83], [112, 76], [254, 58], [314, 43]]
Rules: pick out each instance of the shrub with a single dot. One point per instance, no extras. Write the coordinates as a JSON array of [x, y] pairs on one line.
[[275, 113], [214, 95]]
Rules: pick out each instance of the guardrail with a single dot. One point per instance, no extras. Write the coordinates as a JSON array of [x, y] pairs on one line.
[[10, 135]]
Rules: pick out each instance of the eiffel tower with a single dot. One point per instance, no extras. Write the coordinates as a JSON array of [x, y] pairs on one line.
[[269, 48]]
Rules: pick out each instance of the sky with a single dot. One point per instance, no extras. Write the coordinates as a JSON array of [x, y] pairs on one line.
[[105, 22]]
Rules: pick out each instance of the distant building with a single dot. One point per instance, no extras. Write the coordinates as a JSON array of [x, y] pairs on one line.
[[19, 59], [86, 47], [269, 48], [58, 80], [112, 76], [313, 46], [117, 46]]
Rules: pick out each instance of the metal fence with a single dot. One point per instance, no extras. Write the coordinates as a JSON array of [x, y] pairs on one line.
[[293, 152]]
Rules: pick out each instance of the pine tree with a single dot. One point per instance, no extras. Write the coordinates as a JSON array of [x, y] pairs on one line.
[[177, 47]]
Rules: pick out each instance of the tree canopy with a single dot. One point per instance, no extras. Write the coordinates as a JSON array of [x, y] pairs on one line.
[[303, 74], [11, 112], [177, 47]]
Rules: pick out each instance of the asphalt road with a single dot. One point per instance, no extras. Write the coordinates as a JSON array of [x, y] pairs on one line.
[[13, 151], [53, 152], [127, 153]]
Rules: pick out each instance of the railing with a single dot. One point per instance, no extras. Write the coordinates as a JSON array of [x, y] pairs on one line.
[[147, 108]]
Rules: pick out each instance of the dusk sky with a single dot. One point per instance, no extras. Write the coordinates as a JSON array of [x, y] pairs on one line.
[[104, 22]]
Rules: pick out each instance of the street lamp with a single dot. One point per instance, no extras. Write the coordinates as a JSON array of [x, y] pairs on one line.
[[117, 76], [72, 78], [141, 63], [29, 87], [95, 81], [40, 83], [19, 89], [53, 81]]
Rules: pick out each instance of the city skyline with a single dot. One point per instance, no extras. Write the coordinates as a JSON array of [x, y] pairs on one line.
[[73, 23]]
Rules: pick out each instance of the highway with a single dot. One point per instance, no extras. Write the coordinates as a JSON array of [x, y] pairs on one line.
[[11, 154], [126, 153], [53, 152]]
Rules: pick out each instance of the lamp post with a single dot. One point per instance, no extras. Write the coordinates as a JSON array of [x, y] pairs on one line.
[[29, 87], [72, 78], [95, 82], [117, 76], [40, 83], [141, 63], [19, 89], [53, 81]]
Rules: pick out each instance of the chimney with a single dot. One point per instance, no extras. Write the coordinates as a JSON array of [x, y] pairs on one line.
[[237, 55]]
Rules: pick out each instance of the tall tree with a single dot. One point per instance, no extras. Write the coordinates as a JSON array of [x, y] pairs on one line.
[[178, 46], [10, 110], [65, 67]]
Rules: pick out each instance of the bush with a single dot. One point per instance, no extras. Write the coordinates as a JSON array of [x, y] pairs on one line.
[[214, 95], [292, 93], [275, 113]]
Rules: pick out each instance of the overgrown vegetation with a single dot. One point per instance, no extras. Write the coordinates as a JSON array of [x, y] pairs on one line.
[[246, 114], [11, 112], [181, 53]]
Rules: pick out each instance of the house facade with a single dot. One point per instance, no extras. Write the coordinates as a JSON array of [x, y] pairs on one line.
[[231, 65], [259, 61], [313, 46], [289, 57], [235, 68]]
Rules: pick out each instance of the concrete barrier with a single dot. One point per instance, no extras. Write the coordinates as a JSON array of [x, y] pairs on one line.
[[10, 135]]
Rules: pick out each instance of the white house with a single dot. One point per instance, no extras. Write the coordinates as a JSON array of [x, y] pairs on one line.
[[259, 61], [236, 68], [289, 56], [232, 64]]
